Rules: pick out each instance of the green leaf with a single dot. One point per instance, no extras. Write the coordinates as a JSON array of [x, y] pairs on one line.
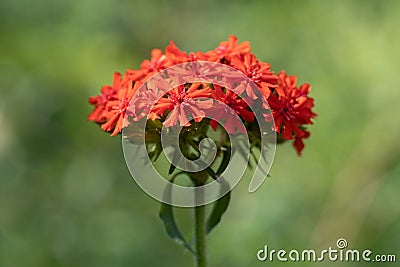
[[219, 209], [221, 205], [244, 154], [167, 217], [212, 173], [175, 158], [172, 168], [225, 160]]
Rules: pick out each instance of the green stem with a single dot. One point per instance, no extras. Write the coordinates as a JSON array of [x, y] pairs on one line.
[[200, 230]]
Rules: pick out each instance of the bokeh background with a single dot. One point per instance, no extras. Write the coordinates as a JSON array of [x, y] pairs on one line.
[[66, 196]]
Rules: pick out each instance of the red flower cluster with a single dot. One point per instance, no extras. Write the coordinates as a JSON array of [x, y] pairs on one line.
[[290, 105]]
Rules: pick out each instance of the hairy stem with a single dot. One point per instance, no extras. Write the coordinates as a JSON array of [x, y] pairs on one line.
[[200, 231]]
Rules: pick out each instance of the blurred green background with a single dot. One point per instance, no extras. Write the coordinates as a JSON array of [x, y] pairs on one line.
[[66, 196]]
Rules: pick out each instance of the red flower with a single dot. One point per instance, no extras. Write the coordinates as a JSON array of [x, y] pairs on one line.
[[115, 111], [237, 105], [181, 102], [226, 50], [157, 62], [108, 93], [143, 103], [291, 108], [298, 141], [259, 72], [177, 55]]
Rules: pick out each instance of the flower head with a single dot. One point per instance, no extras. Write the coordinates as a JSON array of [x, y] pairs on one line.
[[289, 104]]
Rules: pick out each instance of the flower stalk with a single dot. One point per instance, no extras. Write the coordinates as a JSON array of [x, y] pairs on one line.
[[200, 231]]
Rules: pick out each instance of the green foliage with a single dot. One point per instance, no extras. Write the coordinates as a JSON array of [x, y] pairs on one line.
[[168, 219]]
